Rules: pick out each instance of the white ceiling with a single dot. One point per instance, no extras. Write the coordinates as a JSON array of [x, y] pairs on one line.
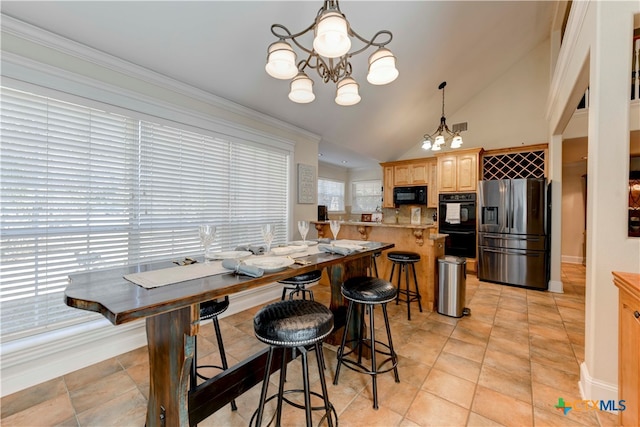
[[220, 47]]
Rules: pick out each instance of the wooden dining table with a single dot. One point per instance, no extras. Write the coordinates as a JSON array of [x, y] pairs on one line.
[[171, 313]]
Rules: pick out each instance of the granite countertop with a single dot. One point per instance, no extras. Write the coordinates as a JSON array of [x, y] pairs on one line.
[[383, 224]]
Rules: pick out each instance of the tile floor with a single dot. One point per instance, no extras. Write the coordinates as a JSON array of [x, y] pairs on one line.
[[506, 364]]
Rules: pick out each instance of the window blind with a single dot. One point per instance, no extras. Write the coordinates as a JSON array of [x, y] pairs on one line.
[[84, 188]]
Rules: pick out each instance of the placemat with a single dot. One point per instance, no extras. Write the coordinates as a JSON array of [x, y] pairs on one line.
[[171, 275]]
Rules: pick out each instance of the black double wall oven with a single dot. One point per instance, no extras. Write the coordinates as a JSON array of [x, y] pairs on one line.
[[457, 218]]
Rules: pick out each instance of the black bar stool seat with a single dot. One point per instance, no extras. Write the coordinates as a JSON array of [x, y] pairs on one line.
[[211, 310], [369, 292], [405, 260], [297, 284], [294, 325]]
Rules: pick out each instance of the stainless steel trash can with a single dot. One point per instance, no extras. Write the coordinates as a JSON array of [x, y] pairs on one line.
[[452, 282]]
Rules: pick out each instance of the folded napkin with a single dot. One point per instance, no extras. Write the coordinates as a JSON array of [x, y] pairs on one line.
[[242, 268], [255, 249], [335, 249]]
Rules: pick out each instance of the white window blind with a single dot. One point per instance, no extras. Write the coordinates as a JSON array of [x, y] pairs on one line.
[[366, 196], [84, 188], [331, 194]]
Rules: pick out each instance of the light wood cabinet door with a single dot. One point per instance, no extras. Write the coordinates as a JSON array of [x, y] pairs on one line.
[[401, 175], [467, 172], [447, 173], [432, 191], [387, 187], [419, 174], [629, 359]]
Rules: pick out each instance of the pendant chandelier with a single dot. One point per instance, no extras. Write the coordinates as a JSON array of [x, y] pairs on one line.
[[436, 140], [329, 56]]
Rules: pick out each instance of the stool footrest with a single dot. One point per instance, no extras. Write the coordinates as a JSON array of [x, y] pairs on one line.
[[359, 366]]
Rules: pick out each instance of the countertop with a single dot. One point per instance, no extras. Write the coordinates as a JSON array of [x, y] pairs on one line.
[[382, 224]]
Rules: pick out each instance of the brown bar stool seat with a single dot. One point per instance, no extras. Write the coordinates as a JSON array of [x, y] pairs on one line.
[[297, 284], [294, 325], [369, 292], [405, 260], [211, 310]]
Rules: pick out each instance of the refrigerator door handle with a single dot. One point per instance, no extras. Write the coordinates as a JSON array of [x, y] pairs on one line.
[[507, 251], [509, 237]]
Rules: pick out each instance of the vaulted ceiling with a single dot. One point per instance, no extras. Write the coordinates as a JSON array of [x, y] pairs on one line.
[[220, 47]]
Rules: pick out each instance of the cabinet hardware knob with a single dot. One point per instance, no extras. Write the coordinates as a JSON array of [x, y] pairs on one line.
[[636, 314]]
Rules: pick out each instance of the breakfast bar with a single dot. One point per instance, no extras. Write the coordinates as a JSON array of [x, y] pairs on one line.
[[419, 238], [172, 313]]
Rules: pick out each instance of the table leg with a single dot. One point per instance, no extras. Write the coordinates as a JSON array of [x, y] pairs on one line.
[[337, 275], [170, 340]]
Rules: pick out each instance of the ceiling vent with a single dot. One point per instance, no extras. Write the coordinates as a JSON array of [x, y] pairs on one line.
[[459, 127]]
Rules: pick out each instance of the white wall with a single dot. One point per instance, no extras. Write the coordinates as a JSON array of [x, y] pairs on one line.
[[597, 52], [508, 113]]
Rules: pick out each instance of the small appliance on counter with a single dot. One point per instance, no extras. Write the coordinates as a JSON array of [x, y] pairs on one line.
[[323, 214]]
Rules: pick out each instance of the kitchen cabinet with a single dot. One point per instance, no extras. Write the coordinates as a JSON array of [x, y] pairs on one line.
[[410, 174], [387, 187], [628, 346], [458, 171], [432, 191]]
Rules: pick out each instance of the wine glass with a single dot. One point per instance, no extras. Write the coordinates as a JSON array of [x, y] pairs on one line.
[[207, 234], [335, 228], [268, 232], [303, 228]]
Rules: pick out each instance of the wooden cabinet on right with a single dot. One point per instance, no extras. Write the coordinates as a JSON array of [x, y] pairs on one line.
[[458, 171], [629, 346]]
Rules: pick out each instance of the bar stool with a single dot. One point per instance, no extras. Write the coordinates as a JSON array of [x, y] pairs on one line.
[[369, 292], [404, 260], [294, 325], [297, 284], [211, 310]]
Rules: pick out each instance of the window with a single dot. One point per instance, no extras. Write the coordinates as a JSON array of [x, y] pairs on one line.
[[366, 196], [84, 188], [331, 194]]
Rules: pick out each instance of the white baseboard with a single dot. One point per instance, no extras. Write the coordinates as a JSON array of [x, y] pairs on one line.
[[556, 286], [594, 389], [41, 358]]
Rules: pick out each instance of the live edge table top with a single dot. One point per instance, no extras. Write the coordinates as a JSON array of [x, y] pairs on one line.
[[121, 301]]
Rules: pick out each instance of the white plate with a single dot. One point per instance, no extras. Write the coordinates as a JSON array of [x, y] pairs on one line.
[[270, 264], [301, 243], [282, 250], [229, 255]]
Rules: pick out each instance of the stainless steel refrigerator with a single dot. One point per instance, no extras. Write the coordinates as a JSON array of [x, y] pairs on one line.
[[513, 232]]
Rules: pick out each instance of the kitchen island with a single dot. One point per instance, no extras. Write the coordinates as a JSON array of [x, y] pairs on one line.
[[420, 238]]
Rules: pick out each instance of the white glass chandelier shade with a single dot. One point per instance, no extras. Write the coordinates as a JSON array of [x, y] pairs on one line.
[[436, 147], [301, 89], [281, 61], [331, 35], [426, 144], [456, 142], [347, 92], [439, 140], [382, 67]]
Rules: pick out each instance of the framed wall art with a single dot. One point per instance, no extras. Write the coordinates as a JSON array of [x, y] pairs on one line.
[[306, 184]]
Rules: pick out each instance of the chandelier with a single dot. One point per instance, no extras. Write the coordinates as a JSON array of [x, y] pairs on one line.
[[436, 140], [329, 56]]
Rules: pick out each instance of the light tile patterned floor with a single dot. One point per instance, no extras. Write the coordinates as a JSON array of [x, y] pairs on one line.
[[506, 364]]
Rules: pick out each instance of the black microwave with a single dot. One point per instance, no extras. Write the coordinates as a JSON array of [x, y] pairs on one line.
[[410, 195]]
